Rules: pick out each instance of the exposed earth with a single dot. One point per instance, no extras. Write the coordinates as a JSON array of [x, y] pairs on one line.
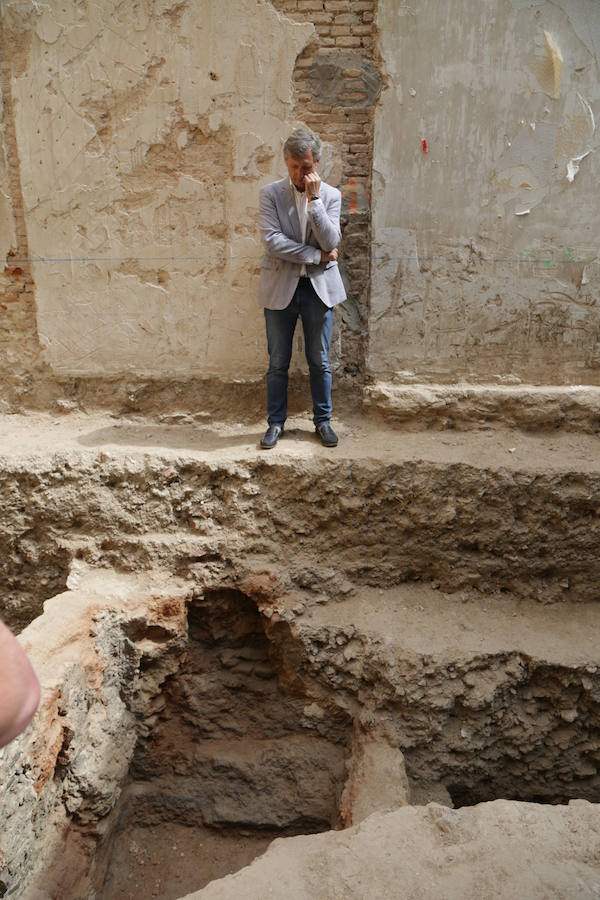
[[237, 644]]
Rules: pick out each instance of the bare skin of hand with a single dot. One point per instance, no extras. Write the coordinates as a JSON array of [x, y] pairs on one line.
[[329, 255], [312, 183], [19, 688]]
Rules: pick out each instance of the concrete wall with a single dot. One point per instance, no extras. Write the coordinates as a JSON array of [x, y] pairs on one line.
[[486, 246]]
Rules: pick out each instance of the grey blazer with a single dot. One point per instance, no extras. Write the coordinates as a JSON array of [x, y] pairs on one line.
[[279, 227]]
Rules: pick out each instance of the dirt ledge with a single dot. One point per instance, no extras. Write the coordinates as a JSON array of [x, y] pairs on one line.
[[464, 406], [499, 850]]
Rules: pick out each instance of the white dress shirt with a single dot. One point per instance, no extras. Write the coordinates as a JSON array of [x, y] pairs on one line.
[[302, 205]]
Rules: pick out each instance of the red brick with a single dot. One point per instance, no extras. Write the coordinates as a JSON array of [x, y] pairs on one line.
[[321, 119], [347, 41]]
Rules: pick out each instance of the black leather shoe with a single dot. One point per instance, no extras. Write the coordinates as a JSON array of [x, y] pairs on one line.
[[328, 436], [271, 436]]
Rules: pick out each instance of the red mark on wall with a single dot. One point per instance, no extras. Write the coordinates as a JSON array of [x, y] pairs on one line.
[[424, 145], [351, 189]]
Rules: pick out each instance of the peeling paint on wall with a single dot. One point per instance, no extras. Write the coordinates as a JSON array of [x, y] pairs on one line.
[[556, 64]]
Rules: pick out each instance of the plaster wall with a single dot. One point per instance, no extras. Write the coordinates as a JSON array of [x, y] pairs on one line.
[[144, 131], [485, 241], [7, 221]]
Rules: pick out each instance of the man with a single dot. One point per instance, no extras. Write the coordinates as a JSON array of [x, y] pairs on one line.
[[299, 222], [19, 688]]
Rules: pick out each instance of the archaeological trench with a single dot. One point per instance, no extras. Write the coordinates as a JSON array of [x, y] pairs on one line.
[[364, 672]]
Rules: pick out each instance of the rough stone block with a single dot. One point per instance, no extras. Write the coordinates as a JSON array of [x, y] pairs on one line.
[[376, 781]]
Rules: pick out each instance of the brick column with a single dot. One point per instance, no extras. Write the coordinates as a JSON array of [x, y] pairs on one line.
[[337, 80]]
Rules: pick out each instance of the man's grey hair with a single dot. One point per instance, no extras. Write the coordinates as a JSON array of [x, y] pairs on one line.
[[299, 142]]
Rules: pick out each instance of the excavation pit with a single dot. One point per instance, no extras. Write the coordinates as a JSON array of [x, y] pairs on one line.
[[244, 635], [225, 761]]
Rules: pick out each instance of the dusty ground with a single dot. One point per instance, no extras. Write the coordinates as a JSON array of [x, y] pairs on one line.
[[360, 438], [494, 851], [140, 868], [419, 619]]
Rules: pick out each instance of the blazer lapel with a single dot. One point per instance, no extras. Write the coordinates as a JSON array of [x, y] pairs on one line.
[[293, 214]]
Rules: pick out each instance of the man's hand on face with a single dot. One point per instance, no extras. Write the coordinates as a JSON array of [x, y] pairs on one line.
[[329, 255], [312, 184]]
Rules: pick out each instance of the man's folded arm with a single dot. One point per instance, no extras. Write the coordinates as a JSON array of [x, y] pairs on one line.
[[276, 242], [325, 221]]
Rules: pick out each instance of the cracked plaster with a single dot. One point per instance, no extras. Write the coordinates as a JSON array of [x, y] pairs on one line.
[[144, 132]]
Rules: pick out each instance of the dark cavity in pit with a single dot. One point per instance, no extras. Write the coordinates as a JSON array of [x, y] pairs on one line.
[[34, 568], [231, 754]]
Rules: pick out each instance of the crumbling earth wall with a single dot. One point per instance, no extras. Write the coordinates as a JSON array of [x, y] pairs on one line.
[[207, 622]]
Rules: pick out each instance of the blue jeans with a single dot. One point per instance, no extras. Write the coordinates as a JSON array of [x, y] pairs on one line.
[[281, 324]]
